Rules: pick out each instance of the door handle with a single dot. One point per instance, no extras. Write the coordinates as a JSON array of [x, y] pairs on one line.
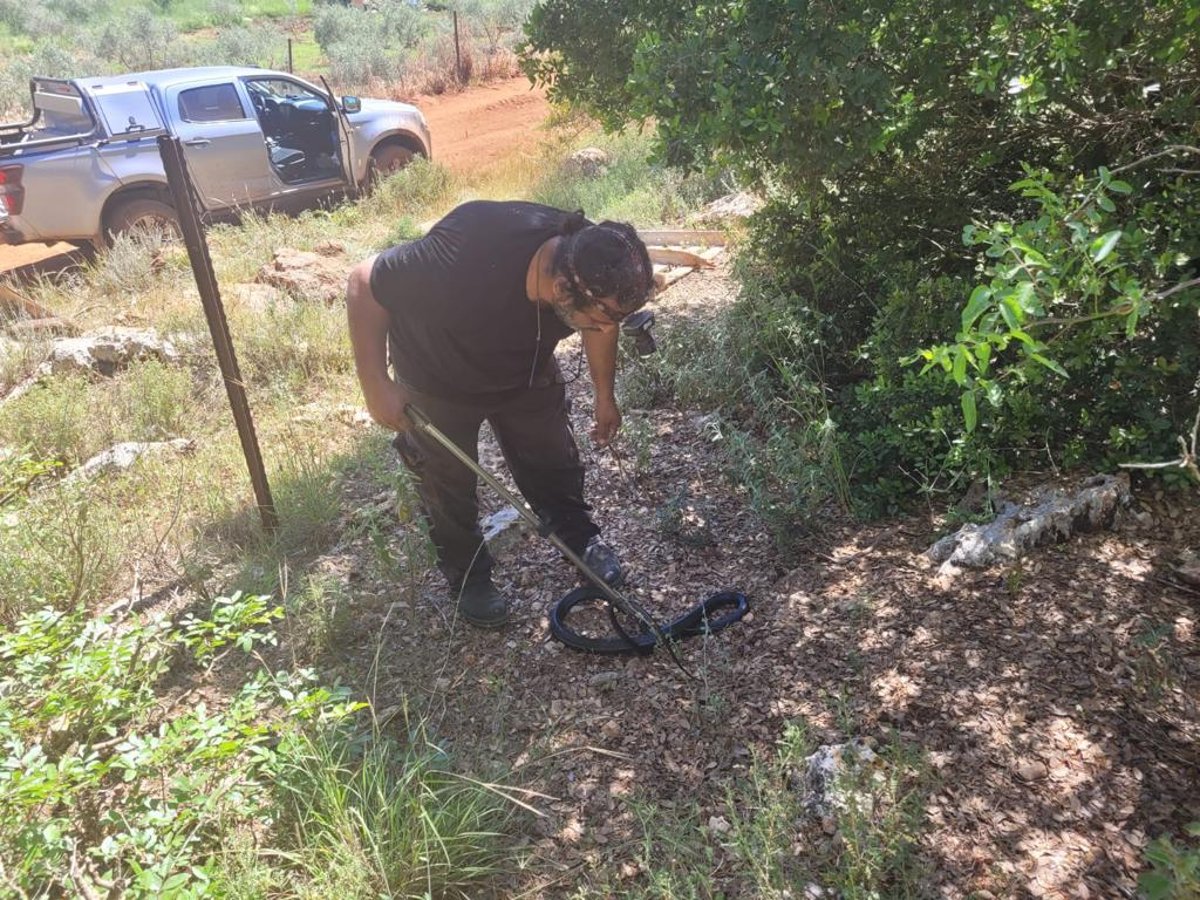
[[198, 142]]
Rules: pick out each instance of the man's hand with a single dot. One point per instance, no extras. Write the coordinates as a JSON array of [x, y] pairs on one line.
[[608, 422], [386, 401]]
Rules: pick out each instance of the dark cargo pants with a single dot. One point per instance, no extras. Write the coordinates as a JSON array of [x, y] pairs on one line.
[[535, 437]]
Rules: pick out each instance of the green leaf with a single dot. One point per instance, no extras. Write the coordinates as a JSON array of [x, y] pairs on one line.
[[1131, 321], [1024, 337], [1025, 298], [960, 365], [1050, 364], [1155, 886], [1012, 312], [980, 298], [1105, 204], [983, 353], [1121, 187], [969, 411], [1032, 254], [1103, 245]]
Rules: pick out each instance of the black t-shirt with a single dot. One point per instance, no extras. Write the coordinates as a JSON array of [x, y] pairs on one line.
[[461, 323]]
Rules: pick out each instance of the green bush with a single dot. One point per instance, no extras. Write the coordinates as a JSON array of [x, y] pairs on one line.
[[254, 45], [1062, 312], [100, 793], [1174, 872]]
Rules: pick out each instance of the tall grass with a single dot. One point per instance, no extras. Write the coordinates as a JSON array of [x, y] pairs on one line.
[[360, 812], [383, 819]]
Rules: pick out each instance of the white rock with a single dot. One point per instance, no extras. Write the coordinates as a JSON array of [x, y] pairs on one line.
[[828, 775], [504, 530], [107, 351], [1018, 529], [259, 298], [307, 276], [590, 162], [122, 456], [719, 825], [740, 205]]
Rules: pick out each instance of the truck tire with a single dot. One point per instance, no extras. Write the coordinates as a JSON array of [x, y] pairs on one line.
[[141, 213], [387, 159]]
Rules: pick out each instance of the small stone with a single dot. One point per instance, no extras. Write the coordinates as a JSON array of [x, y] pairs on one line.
[[1032, 770], [604, 679], [719, 825], [442, 684], [590, 162], [503, 531], [611, 729], [557, 707]]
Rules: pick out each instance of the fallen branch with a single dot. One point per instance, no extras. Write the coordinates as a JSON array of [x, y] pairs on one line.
[[1187, 456]]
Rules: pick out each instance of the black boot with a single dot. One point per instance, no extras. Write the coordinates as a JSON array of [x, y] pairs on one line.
[[602, 560], [481, 604]]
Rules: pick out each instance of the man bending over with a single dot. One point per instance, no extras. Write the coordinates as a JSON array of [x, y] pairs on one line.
[[470, 315]]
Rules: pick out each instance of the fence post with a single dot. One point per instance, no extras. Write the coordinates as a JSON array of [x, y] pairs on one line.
[[457, 52], [171, 150], [290, 70]]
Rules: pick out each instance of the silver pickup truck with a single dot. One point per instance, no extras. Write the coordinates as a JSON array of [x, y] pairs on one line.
[[86, 165]]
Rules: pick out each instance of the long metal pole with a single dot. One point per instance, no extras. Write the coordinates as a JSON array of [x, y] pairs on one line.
[[458, 72], [171, 150], [618, 600]]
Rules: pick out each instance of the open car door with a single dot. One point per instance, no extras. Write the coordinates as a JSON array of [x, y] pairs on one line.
[[344, 137]]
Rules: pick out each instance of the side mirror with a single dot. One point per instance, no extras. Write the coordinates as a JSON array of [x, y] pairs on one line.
[[351, 105]]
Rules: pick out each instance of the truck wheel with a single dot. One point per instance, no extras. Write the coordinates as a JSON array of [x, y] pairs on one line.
[[388, 160], [143, 214]]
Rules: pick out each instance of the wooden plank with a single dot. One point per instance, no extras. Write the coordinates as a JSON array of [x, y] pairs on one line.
[[675, 257], [682, 237]]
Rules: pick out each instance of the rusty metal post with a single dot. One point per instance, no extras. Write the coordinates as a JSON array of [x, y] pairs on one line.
[[458, 71], [171, 150]]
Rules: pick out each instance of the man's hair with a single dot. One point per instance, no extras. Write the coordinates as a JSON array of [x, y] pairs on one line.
[[605, 260]]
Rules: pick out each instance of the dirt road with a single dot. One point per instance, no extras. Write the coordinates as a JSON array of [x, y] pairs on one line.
[[471, 130]]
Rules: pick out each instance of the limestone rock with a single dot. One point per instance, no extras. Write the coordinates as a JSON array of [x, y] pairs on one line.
[[1017, 529], [590, 162], [123, 455], [258, 298], [307, 276], [740, 205], [108, 351], [1188, 567], [828, 782], [504, 530]]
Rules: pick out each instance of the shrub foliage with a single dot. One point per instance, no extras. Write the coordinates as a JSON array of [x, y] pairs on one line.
[[1010, 189]]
